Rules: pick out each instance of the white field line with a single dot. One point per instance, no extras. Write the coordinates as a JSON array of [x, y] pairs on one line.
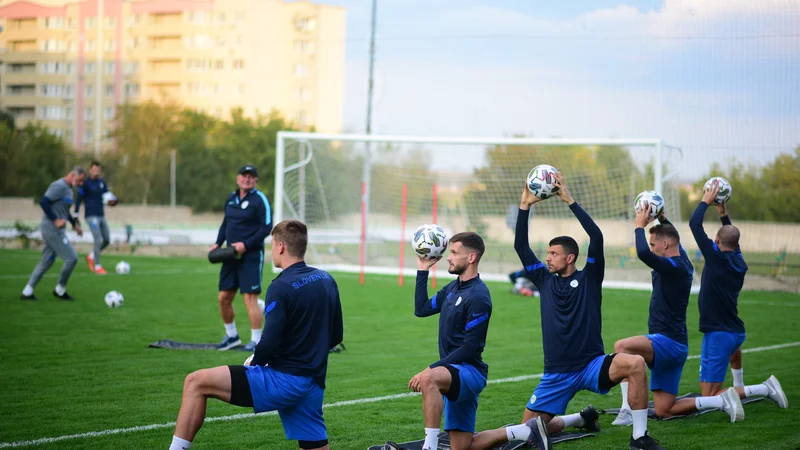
[[55, 273], [157, 426]]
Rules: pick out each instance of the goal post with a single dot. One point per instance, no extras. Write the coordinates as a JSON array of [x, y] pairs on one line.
[[362, 195]]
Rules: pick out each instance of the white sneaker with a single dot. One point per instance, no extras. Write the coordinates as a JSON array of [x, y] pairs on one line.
[[732, 405], [624, 418], [776, 393]]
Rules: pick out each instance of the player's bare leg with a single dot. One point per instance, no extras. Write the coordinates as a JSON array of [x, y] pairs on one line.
[[198, 387], [231, 339], [256, 317], [636, 345]]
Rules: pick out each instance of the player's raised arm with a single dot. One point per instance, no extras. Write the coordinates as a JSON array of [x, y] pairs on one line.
[[595, 259], [478, 312], [274, 323], [424, 306], [534, 268], [722, 209], [706, 245]]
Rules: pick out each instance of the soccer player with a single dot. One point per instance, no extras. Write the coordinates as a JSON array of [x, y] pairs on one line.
[[92, 193], [247, 222], [666, 347], [574, 357], [723, 330], [56, 203], [303, 319], [453, 383]]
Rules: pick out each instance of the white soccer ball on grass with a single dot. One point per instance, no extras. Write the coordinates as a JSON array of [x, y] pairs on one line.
[[541, 181], [123, 268], [429, 241], [653, 198], [725, 189], [114, 299]]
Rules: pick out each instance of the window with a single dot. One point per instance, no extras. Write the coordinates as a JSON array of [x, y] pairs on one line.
[[302, 94], [305, 23], [110, 45], [68, 114], [241, 89], [88, 114], [51, 112], [90, 22], [219, 64], [240, 15], [68, 91], [109, 90], [53, 23], [90, 45], [238, 64], [88, 90], [108, 113], [216, 88], [110, 66], [304, 46], [198, 17], [239, 40], [301, 70], [131, 90], [220, 18], [111, 22], [88, 67], [73, 46], [57, 132], [131, 67], [88, 136], [301, 117]]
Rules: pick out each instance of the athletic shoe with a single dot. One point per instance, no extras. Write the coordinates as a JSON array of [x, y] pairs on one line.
[[624, 418], [251, 346], [65, 296], [33, 297], [732, 404], [100, 271], [776, 393], [229, 342], [591, 419], [538, 437], [90, 261], [389, 445], [645, 442]]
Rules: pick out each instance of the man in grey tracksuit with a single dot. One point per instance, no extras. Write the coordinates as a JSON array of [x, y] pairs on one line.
[[56, 204]]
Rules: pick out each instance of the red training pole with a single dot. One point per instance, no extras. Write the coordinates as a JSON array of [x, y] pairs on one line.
[[433, 269], [363, 230], [403, 234]]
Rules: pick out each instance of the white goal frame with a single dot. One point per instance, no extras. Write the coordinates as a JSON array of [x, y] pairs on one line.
[[308, 137]]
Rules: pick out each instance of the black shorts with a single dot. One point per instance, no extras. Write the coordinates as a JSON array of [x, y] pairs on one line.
[[240, 387]]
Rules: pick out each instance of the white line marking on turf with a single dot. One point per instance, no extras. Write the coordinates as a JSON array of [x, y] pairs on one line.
[[768, 303], [132, 274], [357, 401]]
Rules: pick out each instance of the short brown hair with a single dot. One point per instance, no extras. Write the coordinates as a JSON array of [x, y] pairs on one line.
[[293, 234], [663, 231], [470, 240]]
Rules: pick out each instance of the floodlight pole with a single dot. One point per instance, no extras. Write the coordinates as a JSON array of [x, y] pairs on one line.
[[366, 176]]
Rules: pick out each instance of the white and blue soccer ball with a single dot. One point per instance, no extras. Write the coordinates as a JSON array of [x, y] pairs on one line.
[[655, 200], [429, 241], [541, 181], [123, 268], [114, 299], [725, 190], [109, 197]]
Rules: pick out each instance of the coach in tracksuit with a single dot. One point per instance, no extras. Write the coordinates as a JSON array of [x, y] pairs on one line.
[[56, 203], [92, 194], [247, 222]]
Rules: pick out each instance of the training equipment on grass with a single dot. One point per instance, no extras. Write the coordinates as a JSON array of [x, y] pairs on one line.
[[123, 268], [541, 181], [114, 299], [444, 441], [654, 199], [221, 255], [429, 241], [651, 411], [725, 189]]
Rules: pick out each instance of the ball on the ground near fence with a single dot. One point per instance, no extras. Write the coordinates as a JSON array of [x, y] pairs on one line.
[[725, 189], [541, 181], [123, 268], [114, 299], [655, 200], [429, 241]]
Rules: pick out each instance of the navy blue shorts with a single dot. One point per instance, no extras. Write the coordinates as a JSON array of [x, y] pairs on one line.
[[718, 347], [668, 359], [555, 390], [460, 414], [243, 274]]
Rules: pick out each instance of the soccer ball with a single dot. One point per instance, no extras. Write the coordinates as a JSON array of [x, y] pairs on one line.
[[541, 181], [123, 268], [114, 299], [109, 197], [655, 200], [725, 189], [429, 241]]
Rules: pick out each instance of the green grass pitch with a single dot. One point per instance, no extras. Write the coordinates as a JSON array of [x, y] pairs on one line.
[[74, 368]]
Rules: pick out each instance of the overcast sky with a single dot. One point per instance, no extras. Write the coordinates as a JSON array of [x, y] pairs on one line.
[[718, 78]]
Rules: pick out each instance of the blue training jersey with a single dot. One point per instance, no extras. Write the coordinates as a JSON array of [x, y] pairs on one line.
[[302, 321], [464, 309], [91, 193], [672, 285], [570, 306], [247, 219], [721, 282]]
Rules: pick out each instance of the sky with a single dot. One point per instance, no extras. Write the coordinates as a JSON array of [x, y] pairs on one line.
[[719, 79]]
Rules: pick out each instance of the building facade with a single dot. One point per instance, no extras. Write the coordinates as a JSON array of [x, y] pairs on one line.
[[69, 63]]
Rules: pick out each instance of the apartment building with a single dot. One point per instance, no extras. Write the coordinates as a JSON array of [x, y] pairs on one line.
[[69, 63]]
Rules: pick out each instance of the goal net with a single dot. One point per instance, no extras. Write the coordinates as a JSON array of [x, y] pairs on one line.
[[363, 196]]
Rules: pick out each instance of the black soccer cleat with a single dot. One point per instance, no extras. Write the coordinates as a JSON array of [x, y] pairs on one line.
[[645, 443], [538, 437], [591, 419], [65, 296], [31, 297]]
